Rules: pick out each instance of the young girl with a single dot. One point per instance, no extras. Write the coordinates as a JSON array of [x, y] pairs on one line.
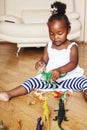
[[60, 57]]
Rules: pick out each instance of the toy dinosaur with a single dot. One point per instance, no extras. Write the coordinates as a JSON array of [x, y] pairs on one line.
[[39, 125], [46, 78], [39, 94], [46, 113], [63, 97], [61, 112], [60, 95], [56, 94]]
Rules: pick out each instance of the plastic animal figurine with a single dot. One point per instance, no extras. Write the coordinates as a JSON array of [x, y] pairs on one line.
[[59, 95], [64, 96], [46, 78], [39, 125], [46, 113], [61, 112], [56, 94], [39, 95]]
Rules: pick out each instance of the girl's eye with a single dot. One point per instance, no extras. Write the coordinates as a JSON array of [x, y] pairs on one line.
[[60, 33], [51, 33]]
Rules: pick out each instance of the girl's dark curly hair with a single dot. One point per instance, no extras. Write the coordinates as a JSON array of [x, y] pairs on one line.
[[58, 11]]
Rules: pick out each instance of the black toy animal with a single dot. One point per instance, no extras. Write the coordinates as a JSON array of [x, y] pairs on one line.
[[61, 114], [39, 125]]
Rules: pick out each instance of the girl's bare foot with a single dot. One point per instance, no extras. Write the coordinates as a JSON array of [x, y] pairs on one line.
[[4, 96], [85, 94]]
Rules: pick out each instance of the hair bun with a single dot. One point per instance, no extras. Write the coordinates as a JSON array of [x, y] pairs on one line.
[[58, 8]]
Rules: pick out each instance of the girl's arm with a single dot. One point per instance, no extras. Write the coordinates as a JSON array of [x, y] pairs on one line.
[[73, 61], [69, 66], [43, 60]]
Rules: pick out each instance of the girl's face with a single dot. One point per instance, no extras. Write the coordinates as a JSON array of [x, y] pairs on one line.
[[58, 32]]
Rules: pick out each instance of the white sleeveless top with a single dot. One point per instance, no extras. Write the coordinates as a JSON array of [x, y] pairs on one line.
[[58, 58]]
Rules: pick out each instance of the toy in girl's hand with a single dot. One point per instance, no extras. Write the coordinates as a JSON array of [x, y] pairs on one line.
[[46, 76], [46, 112], [39, 125], [47, 79]]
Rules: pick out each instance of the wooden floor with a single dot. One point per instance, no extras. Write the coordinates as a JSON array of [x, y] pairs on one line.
[[14, 70]]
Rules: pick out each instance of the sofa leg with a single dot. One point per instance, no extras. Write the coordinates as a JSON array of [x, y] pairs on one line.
[[18, 51]]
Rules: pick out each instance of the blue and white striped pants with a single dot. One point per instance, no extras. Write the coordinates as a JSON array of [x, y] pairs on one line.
[[74, 84]]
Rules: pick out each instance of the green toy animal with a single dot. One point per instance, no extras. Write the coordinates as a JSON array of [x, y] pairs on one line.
[[47, 79], [47, 76]]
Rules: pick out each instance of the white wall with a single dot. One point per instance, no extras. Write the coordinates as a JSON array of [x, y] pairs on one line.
[[1, 7], [80, 8], [15, 7], [85, 37]]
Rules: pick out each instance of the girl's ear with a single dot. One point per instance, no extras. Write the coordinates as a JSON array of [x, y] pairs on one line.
[[69, 29]]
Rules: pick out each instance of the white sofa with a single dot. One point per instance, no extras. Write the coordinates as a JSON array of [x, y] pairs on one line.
[[24, 22]]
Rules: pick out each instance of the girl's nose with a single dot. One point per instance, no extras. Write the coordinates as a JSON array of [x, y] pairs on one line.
[[56, 37]]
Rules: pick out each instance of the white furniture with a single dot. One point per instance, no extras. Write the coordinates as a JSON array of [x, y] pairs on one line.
[[24, 22]]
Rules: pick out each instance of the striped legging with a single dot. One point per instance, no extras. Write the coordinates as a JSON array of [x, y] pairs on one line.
[[74, 84]]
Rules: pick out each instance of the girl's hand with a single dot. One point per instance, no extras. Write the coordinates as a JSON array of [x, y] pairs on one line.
[[39, 64], [55, 74]]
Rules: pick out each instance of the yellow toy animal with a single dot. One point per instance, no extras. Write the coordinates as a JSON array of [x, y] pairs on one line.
[[46, 112]]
